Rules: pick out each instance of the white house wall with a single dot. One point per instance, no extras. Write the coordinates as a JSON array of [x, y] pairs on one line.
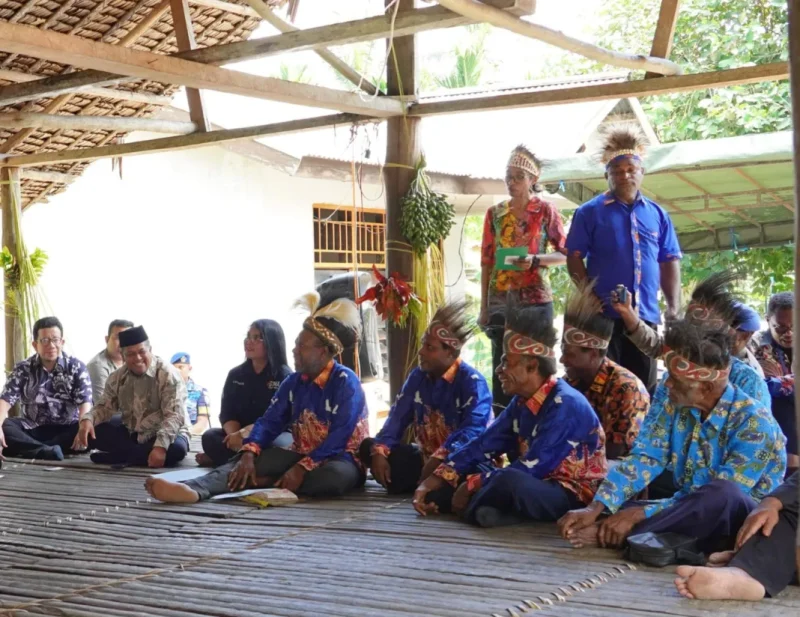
[[193, 245]]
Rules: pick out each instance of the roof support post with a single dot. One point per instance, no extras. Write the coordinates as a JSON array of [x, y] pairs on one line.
[[402, 152], [794, 69], [11, 200], [182, 24]]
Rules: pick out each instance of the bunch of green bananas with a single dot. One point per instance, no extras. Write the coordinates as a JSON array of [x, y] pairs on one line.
[[425, 217]]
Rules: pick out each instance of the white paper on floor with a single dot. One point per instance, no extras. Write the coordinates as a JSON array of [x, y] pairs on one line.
[[181, 475]]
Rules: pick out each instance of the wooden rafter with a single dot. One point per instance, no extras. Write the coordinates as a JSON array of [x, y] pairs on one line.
[[121, 63], [665, 31], [328, 56], [719, 199], [184, 142], [774, 71], [678, 210], [21, 120], [419, 20], [756, 183], [184, 35]]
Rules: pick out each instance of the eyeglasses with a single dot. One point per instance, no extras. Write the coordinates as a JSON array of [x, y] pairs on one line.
[[56, 340], [254, 339], [515, 178]]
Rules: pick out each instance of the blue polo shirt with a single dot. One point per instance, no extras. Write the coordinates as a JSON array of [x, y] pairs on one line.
[[624, 245]]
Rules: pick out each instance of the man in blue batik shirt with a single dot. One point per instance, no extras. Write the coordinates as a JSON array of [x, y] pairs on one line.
[[446, 400], [53, 390], [322, 404], [725, 450], [627, 239], [198, 402]]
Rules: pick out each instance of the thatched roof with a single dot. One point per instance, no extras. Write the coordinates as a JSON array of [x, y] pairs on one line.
[[107, 21]]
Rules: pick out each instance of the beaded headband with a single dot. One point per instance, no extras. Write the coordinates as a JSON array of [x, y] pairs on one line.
[[519, 160], [514, 342], [325, 334], [679, 366], [623, 153], [581, 338], [438, 330]]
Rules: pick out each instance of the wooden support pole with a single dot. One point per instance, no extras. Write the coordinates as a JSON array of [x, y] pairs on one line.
[[21, 119], [665, 31], [402, 152], [794, 61], [121, 63], [11, 201], [182, 25]]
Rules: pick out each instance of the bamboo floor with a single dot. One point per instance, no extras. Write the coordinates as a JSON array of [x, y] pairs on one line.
[[84, 541]]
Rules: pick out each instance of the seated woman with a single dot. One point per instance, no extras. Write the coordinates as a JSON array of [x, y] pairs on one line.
[[248, 391]]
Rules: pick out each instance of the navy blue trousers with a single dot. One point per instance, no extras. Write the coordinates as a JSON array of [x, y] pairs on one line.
[[122, 447], [713, 514], [405, 463]]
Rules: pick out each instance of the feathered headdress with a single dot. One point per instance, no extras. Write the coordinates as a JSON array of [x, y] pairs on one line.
[[622, 140], [584, 322], [524, 159], [713, 302], [451, 325], [529, 330], [337, 324]]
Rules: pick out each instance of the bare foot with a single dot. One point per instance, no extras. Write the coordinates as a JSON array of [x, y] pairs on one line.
[[170, 492], [698, 583], [719, 560], [203, 459], [585, 538]]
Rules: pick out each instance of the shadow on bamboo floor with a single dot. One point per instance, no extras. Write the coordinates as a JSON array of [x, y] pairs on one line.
[[81, 540]]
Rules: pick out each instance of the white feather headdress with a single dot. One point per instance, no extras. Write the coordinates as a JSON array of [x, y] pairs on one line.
[[340, 315]]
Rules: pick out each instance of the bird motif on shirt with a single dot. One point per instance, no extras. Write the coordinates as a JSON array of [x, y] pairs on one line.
[[469, 400], [531, 464], [291, 396], [574, 444], [417, 398], [328, 408], [516, 425], [474, 377]]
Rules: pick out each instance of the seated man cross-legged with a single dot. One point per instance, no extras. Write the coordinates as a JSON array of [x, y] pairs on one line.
[[52, 389], [445, 399], [619, 397], [763, 563], [324, 407], [549, 430], [724, 450], [151, 398]]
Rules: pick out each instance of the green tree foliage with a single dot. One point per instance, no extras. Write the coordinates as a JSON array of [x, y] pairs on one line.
[[710, 35], [297, 73], [470, 61]]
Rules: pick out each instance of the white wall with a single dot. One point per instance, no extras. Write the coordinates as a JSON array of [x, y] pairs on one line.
[[193, 245]]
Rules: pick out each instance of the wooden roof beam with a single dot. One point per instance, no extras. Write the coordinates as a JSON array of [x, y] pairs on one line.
[[183, 142], [184, 35], [344, 69], [120, 63], [665, 31], [774, 71], [50, 177], [21, 120], [718, 199]]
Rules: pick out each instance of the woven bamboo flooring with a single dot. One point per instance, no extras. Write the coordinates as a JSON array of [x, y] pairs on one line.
[[83, 541]]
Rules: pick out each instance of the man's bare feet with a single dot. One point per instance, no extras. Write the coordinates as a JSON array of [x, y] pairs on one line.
[[203, 459], [170, 492], [698, 583], [720, 560], [586, 537]]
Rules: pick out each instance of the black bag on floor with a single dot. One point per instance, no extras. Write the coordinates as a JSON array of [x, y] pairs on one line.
[[664, 549]]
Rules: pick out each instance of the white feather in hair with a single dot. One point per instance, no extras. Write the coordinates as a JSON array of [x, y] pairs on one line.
[[309, 302], [342, 310]]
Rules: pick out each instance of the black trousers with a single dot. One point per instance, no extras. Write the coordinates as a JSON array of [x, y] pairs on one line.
[[494, 331], [331, 479], [29, 442], [123, 448], [771, 560], [218, 452], [622, 351], [405, 464]]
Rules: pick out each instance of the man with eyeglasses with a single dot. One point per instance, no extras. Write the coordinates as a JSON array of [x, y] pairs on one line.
[[773, 349], [150, 395], [52, 389]]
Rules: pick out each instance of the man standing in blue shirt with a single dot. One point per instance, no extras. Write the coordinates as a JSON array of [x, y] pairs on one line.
[[724, 449], [446, 401], [627, 239]]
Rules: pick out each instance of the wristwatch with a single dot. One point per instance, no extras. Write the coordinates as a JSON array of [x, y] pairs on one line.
[[534, 262]]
